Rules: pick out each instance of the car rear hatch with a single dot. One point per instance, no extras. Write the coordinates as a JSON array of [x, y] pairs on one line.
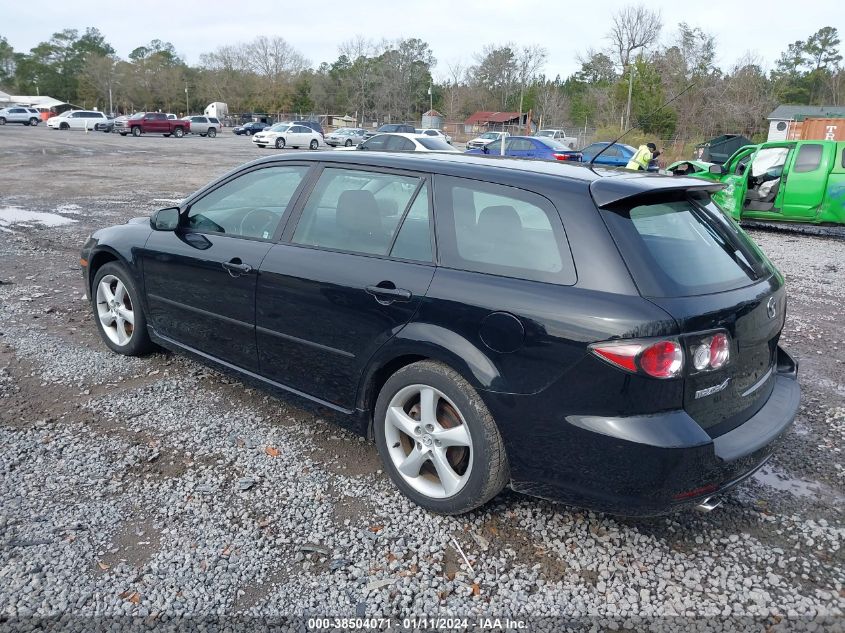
[[689, 259]]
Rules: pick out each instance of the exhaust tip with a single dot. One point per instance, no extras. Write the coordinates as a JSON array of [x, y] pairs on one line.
[[709, 504]]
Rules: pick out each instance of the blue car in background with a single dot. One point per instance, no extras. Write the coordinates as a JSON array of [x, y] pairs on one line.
[[617, 155], [536, 147]]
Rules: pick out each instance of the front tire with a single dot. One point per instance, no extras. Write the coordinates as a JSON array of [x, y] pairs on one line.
[[64, 126], [280, 143], [438, 441], [118, 312], [2, 120], [348, 143], [314, 144]]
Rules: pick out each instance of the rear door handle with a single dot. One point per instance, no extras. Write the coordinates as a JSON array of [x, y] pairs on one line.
[[236, 268], [389, 295]]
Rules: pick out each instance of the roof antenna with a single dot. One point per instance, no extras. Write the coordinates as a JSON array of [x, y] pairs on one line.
[[618, 138]]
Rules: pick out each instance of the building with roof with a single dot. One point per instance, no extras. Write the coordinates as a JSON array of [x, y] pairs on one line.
[[484, 121], [786, 121]]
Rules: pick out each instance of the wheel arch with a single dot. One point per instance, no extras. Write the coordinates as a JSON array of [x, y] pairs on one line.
[[99, 258], [425, 341]]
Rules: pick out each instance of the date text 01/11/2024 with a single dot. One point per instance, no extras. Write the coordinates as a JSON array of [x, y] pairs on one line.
[[417, 623]]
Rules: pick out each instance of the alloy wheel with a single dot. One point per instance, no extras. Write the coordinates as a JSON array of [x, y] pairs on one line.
[[428, 441], [115, 311]]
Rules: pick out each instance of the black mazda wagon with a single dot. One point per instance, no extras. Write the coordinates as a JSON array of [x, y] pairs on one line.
[[604, 338]]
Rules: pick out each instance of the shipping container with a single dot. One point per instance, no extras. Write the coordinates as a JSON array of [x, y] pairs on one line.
[[827, 129]]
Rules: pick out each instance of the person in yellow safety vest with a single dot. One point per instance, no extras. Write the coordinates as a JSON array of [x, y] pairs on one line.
[[640, 160]]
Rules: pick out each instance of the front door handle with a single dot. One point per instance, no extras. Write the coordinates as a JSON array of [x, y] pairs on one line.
[[236, 267], [389, 295]]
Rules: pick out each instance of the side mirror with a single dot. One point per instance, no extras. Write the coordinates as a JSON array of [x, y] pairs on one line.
[[165, 219], [716, 170]]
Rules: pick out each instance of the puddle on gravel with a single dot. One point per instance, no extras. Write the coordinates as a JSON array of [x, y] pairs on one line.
[[797, 487], [10, 216]]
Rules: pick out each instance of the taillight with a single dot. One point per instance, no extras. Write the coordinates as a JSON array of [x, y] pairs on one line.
[[711, 352], [565, 156], [660, 359]]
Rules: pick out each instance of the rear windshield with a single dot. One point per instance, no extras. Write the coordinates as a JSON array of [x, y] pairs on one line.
[[684, 246], [435, 144]]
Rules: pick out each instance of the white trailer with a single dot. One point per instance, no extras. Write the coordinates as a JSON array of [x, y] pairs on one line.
[[217, 109]]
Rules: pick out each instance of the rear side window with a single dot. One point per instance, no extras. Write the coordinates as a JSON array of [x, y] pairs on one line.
[[435, 144], [680, 246], [500, 230], [809, 158]]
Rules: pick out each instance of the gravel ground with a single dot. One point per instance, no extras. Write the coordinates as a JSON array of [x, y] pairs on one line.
[[156, 487]]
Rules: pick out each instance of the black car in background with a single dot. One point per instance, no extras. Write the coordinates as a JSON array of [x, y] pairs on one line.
[[250, 128], [601, 337], [314, 125], [392, 127]]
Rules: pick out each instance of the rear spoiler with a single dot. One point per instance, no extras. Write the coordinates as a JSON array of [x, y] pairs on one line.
[[620, 185]]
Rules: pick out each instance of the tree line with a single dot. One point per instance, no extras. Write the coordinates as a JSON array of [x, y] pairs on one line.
[[392, 80]]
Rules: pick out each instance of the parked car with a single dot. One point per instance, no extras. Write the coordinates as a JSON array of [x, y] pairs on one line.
[[346, 136], [536, 147], [401, 128], [314, 125], [780, 181], [435, 133], [611, 342], [288, 135], [405, 143], [248, 129], [616, 156], [203, 125], [79, 120], [27, 116], [487, 137], [559, 136], [152, 123]]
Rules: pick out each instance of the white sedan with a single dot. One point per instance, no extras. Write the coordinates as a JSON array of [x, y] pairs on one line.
[[434, 133], [284, 135], [404, 142]]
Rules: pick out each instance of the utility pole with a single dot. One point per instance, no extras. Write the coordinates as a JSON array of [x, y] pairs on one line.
[[430, 98], [187, 107], [630, 93]]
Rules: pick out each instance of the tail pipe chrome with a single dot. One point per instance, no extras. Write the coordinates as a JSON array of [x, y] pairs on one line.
[[710, 503]]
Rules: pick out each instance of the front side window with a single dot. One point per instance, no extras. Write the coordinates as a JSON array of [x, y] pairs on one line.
[[809, 158], [500, 230], [251, 205], [354, 210]]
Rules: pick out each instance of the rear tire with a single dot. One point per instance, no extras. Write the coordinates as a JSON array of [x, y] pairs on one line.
[[211, 132], [118, 312], [450, 452], [314, 144], [136, 131], [33, 121], [179, 132], [280, 143]]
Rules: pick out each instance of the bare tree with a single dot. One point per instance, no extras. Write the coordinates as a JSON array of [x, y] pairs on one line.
[[529, 61], [634, 27], [358, 51]]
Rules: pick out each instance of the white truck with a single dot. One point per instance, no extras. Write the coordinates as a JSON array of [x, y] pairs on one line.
[[560, 136]]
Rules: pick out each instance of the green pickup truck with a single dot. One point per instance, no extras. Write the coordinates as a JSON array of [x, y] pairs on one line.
[[781, 181]]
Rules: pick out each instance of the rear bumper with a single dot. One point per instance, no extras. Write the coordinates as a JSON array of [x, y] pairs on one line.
[[645, 465]]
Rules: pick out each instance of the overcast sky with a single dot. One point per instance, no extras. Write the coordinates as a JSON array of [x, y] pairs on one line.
[[454, 29]]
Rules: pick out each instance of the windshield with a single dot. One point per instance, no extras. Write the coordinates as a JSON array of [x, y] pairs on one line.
[[680, 245], [490, 135], [435, 144], [138, 115], [546, 133], [280, 127], [389, 128]]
